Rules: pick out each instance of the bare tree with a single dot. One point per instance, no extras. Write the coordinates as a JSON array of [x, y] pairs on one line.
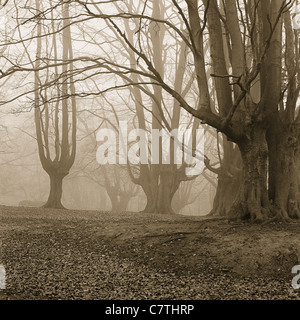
[[158, 181], [244, 56], [64, 149], [253, 49]]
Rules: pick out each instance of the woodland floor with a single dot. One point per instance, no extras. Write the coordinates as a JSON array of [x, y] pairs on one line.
[[65, 254]]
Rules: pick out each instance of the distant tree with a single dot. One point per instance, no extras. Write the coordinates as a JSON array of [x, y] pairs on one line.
[[118, 187], [158, 181], [48, 113]]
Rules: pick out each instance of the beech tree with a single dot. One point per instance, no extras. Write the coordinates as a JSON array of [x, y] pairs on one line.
[[47, 114], [244, 58], [118, 187], [229, 176], [256, 82], [152, 109], [160, 181]]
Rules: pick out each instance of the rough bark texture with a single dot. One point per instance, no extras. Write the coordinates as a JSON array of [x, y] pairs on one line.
[[229, 179], [226, 194], [283, 173], [270, 180], [253, 202]]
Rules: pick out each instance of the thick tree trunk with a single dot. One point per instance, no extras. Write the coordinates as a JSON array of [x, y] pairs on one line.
[[226, 194], [253, 202], [229, 179], [55, 195], [151, 198], [283, 175], [161, 202], [159, 197], [164, 201]]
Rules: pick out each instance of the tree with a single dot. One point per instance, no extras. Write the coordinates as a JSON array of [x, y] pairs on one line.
[[64, 150], [229, 176], [244, 56], [188, 192], [159, 181], [256, 88], [118, 187]]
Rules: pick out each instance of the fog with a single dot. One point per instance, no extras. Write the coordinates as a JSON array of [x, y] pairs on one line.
[[53, 119], [24, 180]]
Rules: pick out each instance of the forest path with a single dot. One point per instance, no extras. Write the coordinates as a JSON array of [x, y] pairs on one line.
[[65, 254]]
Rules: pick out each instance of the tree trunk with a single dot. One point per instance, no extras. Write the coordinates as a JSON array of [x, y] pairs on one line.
[[151, 197], [164, 200], [55, 195], [159, 197], [161, 203], [123, 203], [283, 173], [229, 179], [226, 194], [114, 201], [253, 202]]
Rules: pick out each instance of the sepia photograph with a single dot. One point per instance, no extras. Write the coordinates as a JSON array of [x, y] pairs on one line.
[[149, 153]]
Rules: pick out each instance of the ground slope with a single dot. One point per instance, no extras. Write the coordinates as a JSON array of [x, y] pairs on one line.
[[64, 254]]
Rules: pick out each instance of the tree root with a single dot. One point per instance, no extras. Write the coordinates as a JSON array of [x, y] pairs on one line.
[[253, 213]]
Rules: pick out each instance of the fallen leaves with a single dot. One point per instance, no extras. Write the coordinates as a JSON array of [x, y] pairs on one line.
[[80, 255]]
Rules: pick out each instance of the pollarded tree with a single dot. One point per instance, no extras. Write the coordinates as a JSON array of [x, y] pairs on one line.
[[48, 114], [118, 187], [283, 119], [112, 179], [251, 115], [160, 180], [257, 88]]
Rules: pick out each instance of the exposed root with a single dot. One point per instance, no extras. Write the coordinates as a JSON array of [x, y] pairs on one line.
[[255, 213], [261, 215]]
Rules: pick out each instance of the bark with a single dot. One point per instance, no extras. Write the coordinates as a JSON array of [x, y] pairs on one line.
[[151, 199], [269, 162], [226, 194], [283, 174], [161, 202], [167, 188], [229, 180], [55, 194], [253, 202]]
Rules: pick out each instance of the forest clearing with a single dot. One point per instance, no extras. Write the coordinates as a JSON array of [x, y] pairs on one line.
[[65, 254], [150, 149]]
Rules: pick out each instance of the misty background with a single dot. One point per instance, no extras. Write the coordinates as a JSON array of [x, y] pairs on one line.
[[23, 178]]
